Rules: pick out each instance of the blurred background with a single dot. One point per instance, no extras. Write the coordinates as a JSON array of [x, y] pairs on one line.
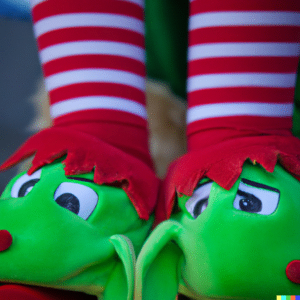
[[20, 74]]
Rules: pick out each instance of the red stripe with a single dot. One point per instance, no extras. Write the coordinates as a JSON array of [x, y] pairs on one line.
[[269, 125], [97, 89], [98, 115], [94, 62], [90, 34], [243, 64], [198, 6], [55, 7], [288, 34], [241, 94]]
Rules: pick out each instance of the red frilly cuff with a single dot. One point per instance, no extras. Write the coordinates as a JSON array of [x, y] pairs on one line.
[[85, 153], [223, 164]]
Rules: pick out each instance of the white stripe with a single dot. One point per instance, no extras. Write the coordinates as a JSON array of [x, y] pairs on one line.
[[101, 102], [207, 111], [271, 80], [92, 47], [140, 3], [215, 19], [86, 20], [94, 75], [243, 50], [36, 2]]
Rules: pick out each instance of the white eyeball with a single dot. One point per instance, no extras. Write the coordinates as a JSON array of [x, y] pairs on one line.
[[254, 197], [76, 197], [199, 200], [25, 184]]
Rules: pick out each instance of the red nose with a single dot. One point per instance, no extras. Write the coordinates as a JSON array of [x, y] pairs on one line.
[[5, 240], [293, 271]]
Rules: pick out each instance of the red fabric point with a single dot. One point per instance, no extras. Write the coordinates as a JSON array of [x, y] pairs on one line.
[[293, 271], [5, 240]]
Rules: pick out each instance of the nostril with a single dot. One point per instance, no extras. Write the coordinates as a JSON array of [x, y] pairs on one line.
[[5, 240]]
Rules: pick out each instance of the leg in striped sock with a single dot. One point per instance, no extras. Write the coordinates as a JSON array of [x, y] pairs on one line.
[[102, 194], [92, 55], [243, 59], [236, 186]]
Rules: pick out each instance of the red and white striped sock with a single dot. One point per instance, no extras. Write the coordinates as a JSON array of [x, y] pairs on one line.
[[242, 63], [93, 58]]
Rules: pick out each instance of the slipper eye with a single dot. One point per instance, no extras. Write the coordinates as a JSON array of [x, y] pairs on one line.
[[254, 197], [25, 184], [199, 200], [77, 198]]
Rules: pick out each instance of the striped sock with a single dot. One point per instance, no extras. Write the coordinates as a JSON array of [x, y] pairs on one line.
[[242, 61], [93, 58]]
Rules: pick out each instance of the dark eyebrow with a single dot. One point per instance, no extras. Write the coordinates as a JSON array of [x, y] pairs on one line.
[[259, 185], [81, 179]]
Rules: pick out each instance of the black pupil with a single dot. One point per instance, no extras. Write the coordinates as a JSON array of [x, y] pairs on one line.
[[69, 201], [249, 203], [198, 207], [25, 186]]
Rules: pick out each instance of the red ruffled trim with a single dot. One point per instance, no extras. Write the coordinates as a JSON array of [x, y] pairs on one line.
[[223, 164], [86, 152]]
